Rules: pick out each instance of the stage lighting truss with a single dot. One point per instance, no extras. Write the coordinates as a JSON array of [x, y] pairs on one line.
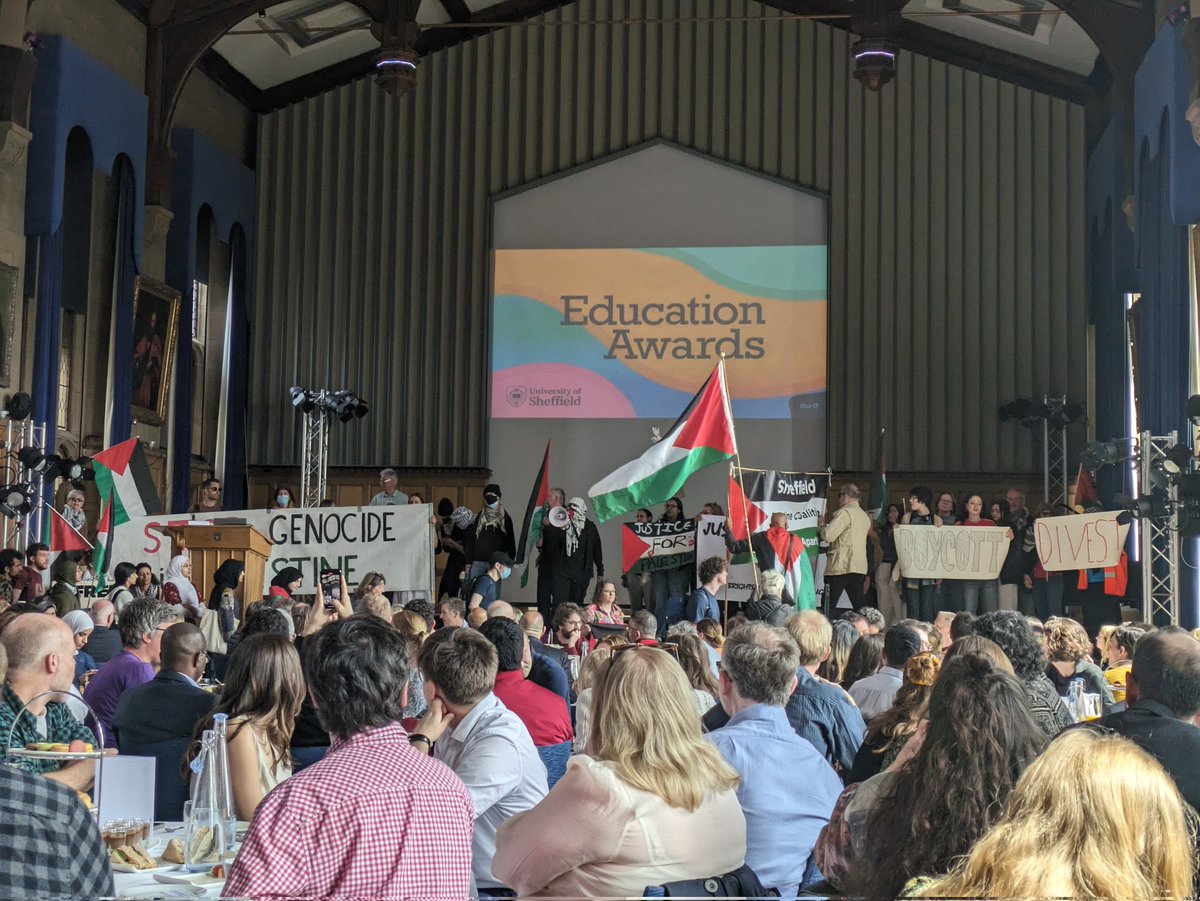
[[1161, 463], [1052, 416], [319, 406], [21, 518]]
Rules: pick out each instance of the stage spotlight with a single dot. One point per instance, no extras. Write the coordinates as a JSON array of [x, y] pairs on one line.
[[19, 406], [1153, 506], [14, 501], [303, 399], [1193, 409], [874, 62], [31, 458], [1180, 455], [78, 471], [1164, 472], [1189, 485], [1101, 453]]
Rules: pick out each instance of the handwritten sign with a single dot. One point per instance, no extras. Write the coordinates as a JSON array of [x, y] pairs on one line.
[[951, 552], [1089, 541], [651, 546]]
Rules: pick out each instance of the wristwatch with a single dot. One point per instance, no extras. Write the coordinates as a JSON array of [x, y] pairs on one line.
[[418, 737]]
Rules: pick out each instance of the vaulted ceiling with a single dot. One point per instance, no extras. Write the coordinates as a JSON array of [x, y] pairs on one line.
[[275, 54]]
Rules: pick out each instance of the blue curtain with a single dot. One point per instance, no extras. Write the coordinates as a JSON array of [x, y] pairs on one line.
[[239, 369], [126, 278], [1108, 317], [48, 333]]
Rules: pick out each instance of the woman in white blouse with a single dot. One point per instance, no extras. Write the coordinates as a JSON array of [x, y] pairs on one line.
[[649, 802]]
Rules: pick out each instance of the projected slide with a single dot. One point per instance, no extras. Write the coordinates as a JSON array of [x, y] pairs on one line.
[[632, 333]]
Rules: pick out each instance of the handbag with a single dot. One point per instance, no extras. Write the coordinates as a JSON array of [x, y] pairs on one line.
[[210, 628], [741, 883]]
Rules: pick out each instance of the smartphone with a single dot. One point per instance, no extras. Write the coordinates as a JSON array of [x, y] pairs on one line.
[[331, 587]]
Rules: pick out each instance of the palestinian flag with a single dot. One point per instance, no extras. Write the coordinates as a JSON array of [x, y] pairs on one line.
[[1086, 494], [793, 562], [877, 499], [102, 552], [123, 476], [702, 436], [535, 512], [62, 538], [743, 512]]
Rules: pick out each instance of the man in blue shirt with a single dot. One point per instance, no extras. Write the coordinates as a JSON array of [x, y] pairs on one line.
[[787, 790], [703, 602]]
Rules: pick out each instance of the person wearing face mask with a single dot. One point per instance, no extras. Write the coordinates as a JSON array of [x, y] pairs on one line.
[[281, 498], [492, 533], [486, 587]]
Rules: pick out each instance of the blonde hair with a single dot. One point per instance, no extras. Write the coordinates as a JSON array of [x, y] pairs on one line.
[[981, 647], [589, 670], [1094, 816], [1102, 638], [410, 624], [813, 634], [1066, 641], [376, 605], [656, 747]]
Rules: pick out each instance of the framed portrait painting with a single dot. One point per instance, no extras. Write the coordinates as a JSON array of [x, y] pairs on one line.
[[155, 321]]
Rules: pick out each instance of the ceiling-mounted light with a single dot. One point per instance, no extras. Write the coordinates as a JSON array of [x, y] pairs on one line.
[[874, 62], [15, 500], [19, 406], [396, 70]]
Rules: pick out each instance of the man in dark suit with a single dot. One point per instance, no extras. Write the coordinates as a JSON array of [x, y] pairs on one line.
[[1163, 702], [169, 705], [105, 641], [533, 625]]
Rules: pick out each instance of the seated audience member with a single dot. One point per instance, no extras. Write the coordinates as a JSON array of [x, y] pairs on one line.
[[67, 573], [1069, 652], [105, 641], [982, 647], [942, 624], [147, 585], [857, 620], [712, 634], [141, 627], [286, 583], [124, 583], [845, 636], [376, 605], [260, 620], [28, 586], [310, 741], [415, 630], [875, 693], [978, 739], [452, 612], [769, 606], [12, 564], [961, 626], [889, 732], [422, 607], [486, 744], [534, 627], [41, 659], [501, 610], [476, 617], [1163, 704], [865, 659], [650, 801], [178, 589], [1119, 659], [327, 832], [588, 673], [783, 816], [49, 844], [486, 587], [568, 631], [641, 628], [690, 652], [544, 713], [604, 609], [261, 696], [922, 629], [713, 576], [169, 705], [81, 630], [876, 624], [1043, 847], [1012, 633]]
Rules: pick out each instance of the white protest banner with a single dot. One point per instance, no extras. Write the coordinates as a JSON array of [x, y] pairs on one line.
[[798, 495], [951, 552], [394, 541], [650, 546], [1080, 541]]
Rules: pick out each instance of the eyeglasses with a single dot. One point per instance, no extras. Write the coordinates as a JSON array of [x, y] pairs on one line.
[[217, 490]]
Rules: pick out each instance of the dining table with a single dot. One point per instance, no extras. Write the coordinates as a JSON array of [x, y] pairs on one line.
[[171, 882]]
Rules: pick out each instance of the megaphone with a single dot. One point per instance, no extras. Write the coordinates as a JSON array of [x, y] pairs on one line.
[[559, 517]]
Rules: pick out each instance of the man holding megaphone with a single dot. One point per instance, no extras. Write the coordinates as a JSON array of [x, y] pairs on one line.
[[570, 554]]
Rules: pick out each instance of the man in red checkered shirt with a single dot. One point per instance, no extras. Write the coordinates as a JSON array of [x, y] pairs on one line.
[[375, 818]]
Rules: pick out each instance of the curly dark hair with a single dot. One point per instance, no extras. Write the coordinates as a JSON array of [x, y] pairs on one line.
[[980, 739], [422, 608], [1012, 632]]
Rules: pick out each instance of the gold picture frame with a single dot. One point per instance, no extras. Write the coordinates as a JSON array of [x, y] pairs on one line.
[[155, 335]]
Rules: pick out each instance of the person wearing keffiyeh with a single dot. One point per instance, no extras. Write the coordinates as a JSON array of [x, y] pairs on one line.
[[454, 542], [492, 532], [582, 556]]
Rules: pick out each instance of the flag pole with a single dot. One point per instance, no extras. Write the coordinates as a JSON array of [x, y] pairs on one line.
[[741, 483]]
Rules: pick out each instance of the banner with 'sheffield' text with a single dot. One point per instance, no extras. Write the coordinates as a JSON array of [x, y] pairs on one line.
[[951, 552]]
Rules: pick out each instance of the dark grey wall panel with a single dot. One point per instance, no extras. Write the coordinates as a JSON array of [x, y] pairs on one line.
[[956, 225]]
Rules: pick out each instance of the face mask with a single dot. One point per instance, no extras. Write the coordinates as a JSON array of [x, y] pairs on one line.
[[492, 505], [282, 499], [505, 572]]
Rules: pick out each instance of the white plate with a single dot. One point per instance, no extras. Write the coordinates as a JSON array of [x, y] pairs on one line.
[[54, 755], [165, 892], [129, 868]]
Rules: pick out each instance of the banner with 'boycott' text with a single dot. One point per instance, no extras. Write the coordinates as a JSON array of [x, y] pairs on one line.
[[951, 552]]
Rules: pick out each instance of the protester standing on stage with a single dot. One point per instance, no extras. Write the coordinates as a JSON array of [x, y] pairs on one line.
[[671, 585], [551, 547], [846, 531], [920, 594], [493, 532]]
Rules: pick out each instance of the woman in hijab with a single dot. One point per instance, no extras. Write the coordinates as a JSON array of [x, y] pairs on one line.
[[178, 589], [286, 582], [81, 627], [223, 604]]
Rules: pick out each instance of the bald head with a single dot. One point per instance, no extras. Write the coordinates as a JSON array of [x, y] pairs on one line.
[[779, 520], [532, 623], [476, 617], [498, 609], [103, 612], [1166, 669], [183, 650], [41, 652]]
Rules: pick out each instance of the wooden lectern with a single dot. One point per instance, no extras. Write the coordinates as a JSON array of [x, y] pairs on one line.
[[211, 545]]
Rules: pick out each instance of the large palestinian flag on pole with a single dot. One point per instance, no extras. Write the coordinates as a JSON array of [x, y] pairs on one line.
[[62, 538], [123, 475], [702, 436]]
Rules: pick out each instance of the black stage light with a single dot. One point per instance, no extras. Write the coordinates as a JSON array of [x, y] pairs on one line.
[[14, 500], [1153, 506], [19, 406]]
